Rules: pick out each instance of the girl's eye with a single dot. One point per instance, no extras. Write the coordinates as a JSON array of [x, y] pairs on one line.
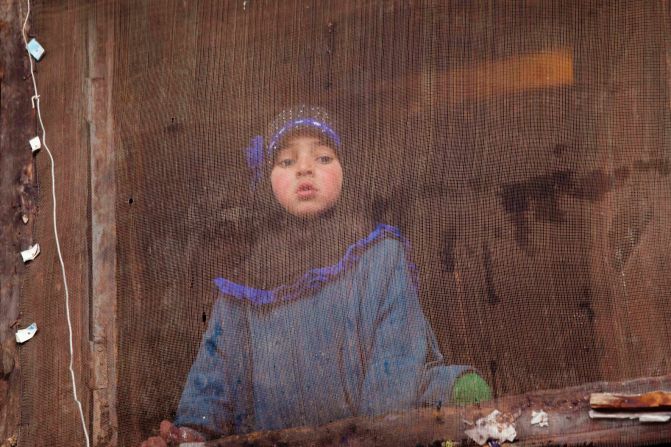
[[325, 159], [285, 163]]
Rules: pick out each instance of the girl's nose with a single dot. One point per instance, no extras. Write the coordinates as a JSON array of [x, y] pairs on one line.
[[305, 166]]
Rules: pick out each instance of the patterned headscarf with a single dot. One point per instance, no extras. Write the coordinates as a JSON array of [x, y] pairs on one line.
[[286, 246], [261, 152]]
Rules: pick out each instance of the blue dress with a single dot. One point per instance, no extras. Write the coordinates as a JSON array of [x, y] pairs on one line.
[[345, 340]]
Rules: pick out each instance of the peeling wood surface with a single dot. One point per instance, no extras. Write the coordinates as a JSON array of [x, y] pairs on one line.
[[654, 399], [569, 423], [17, 199]]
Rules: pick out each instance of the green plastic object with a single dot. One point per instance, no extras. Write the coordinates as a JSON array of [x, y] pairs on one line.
[[470, 389]]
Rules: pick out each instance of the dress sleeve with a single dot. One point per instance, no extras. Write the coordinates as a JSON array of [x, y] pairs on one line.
[[392, 331], [399, 340], [216, 397]]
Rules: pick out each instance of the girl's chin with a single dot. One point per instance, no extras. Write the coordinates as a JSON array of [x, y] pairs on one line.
[[309, 211]]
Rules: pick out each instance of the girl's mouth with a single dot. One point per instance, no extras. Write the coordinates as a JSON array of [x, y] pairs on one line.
[[306, 191]]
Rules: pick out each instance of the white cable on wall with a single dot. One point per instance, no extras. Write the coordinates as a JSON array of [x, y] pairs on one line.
[[36, 104]]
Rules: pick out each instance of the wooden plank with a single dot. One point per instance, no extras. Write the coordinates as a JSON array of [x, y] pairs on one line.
[[47, 401], [17, 196], [654, 399], [568, 415], [104, 424], [626, 130]]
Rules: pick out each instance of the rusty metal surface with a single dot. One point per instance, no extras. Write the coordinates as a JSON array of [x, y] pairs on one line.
[[17, 199]]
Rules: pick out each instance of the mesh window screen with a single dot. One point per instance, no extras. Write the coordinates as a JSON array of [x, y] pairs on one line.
[[330, 209]]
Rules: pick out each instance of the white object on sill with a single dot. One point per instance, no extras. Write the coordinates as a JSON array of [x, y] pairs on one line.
[[539, 418], [492, 426], [642, 417]]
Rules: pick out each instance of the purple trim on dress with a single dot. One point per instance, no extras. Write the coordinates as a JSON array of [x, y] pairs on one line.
[[315, 279], [302, 122]]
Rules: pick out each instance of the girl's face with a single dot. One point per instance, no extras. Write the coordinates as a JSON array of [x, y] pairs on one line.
[[306, 177]]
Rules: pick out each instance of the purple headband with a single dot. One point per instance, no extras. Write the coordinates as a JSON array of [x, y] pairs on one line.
[[302, 122], [255, 153]]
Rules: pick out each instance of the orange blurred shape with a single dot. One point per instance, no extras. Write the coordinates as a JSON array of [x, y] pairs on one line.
[[508, 76]]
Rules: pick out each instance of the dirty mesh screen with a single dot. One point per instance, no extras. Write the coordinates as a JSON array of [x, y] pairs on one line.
[[517, 152]]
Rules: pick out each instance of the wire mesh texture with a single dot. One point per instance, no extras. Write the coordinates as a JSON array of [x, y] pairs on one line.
[[507, 160]]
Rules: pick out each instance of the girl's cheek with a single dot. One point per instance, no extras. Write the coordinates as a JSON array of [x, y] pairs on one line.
[[281, 185], [333, 181]]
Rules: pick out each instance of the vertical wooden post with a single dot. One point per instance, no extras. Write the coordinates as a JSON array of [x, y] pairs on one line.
[[103, 226], [17, 196]]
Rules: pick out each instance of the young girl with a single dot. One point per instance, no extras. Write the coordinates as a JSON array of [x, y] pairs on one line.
[[328, 324]]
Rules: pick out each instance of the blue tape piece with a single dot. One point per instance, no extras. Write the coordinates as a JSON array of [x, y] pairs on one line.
[[35, 49]]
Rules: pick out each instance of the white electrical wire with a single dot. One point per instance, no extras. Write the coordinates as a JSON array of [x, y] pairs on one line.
[[36, 104]]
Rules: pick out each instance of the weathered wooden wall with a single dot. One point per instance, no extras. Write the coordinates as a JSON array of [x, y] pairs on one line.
[[49, 415], [553, 216], [17, 196], [518, 265], [528, 190], [628, 223]]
